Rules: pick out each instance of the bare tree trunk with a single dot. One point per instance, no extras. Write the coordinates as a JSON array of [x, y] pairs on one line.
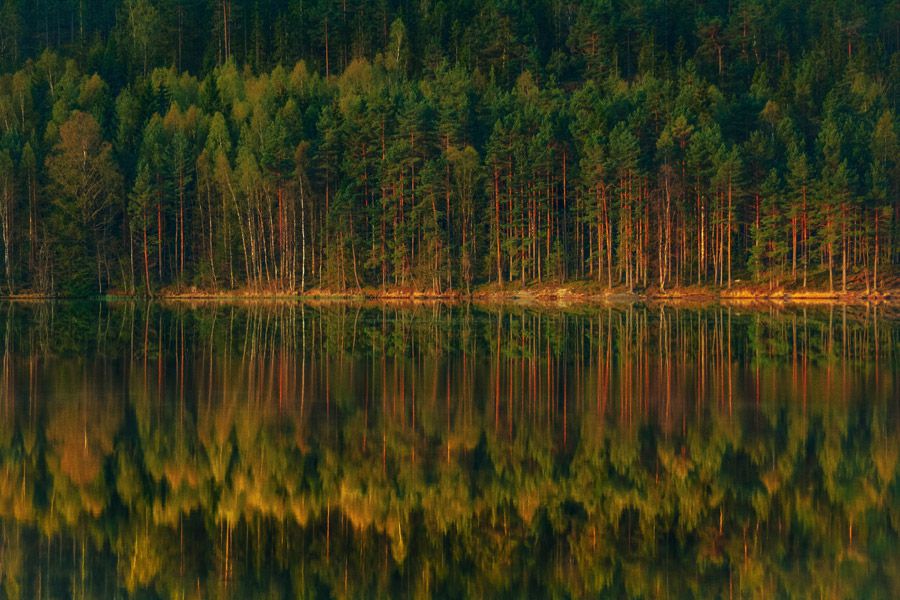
[[159, 239], [843, 247], [609, 280], [794, 247], [181, 225], [6, 223], [730, 189], [875, 262], [667, 235], [805, 239], [131, 260], [146, 260], [599, 193], [226, 37], [302, 239], [497, 219]]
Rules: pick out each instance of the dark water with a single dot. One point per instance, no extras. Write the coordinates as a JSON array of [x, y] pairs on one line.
[[434, 451]]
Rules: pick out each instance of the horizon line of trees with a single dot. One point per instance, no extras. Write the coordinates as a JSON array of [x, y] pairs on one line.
[[714, 155]]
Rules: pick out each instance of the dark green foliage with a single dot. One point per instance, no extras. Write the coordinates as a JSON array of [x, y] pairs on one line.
[[450, 144]]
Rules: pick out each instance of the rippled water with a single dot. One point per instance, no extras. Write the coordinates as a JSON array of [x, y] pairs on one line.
[[341, 450]]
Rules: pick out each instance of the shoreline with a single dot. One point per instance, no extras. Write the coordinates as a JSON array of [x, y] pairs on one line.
[[575, 293]]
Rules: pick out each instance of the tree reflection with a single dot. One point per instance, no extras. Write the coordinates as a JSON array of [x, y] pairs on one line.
[[374, 450]]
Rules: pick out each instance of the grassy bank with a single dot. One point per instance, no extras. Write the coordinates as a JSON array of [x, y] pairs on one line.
[[547, 292]]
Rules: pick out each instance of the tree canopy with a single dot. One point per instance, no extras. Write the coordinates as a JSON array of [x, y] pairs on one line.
[[446, 145]]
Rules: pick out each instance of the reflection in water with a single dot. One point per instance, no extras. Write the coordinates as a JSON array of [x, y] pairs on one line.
[[357, 451]]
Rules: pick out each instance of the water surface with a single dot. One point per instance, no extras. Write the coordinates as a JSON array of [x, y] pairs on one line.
[[341, 450]]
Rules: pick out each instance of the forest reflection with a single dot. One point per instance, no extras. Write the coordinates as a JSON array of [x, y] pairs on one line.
[[353, 450]]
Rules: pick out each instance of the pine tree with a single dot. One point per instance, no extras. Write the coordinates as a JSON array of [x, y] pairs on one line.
[[85, 184]]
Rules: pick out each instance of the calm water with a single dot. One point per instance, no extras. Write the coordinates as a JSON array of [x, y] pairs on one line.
[[434, 451]]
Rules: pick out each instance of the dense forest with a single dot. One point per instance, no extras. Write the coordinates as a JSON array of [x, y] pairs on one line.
[[148, 146]]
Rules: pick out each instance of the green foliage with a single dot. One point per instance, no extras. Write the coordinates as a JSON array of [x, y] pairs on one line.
[[85, 185], [769, 249], [630, 145]]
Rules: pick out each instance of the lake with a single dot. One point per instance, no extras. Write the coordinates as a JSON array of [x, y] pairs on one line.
[[387, 450]]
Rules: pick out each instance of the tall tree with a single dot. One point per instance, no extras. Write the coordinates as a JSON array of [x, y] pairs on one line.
[[85, 184]]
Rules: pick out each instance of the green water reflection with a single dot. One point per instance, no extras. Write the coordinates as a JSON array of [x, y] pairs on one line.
[[354, 451]]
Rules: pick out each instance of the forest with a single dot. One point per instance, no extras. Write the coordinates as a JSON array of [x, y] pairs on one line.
[[148, 147]]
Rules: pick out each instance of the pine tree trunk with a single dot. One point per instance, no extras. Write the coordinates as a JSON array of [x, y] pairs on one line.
[[875, 261], [730, 208], [794, 247], [497, 221], [181, 225], [146, 260], [608, 240], [805, 240], [159, 240], [302, 240], [843, 248]]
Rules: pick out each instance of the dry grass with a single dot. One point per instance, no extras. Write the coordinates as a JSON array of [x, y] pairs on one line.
[[555, 293]]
